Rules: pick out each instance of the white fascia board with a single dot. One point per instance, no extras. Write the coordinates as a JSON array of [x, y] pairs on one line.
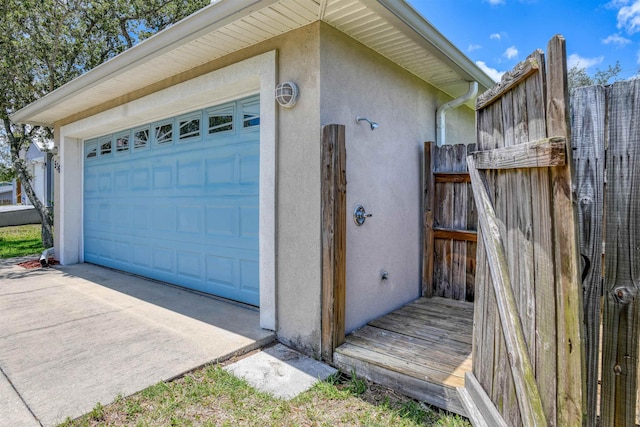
[[442, 47], [208, 19]]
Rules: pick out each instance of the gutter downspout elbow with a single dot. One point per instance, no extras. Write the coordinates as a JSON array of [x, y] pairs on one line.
[[441, 113]]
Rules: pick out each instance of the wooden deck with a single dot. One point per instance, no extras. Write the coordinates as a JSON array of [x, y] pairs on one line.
[[422, 350]]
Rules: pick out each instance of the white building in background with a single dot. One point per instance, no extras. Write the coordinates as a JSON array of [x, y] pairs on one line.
[[39, 166]]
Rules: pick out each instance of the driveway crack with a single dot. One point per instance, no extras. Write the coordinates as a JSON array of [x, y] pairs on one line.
[[24, 402], [63, 323]]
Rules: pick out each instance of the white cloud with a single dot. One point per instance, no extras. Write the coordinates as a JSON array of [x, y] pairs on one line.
[[473, 47], [491, 72], [616, 39], [629, 17], [495, 2], [616, 4], [495, 36], [575, 60], [510, 53]]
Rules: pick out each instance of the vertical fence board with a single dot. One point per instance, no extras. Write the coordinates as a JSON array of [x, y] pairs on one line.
[[428, 203], [621, 320], [569, 296], [459, 222], [483, 359], [334, 236], [544, 290], [524, 224], [588, 138], [472, 247]]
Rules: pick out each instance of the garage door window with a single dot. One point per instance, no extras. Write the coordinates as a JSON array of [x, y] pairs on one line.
[[105, 146], [251, 115], [189, 127], [163, 133], [91, 150], [122, 142], [141, 138], [220, 119]]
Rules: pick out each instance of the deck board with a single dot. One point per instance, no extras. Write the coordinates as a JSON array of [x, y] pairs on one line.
[[422, 349]]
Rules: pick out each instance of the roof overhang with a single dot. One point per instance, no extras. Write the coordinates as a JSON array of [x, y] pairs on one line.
[[390, 27]]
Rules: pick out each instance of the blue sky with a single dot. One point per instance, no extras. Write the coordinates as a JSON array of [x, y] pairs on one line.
[[497, 34]]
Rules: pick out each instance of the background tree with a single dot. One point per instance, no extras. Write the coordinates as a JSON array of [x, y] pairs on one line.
[[578, 77], [46, 43]]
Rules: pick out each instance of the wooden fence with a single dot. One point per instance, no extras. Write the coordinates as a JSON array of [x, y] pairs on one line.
[[606, 152], [450, 223]]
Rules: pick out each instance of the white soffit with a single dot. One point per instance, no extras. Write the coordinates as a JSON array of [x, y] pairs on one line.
[[389, 27]]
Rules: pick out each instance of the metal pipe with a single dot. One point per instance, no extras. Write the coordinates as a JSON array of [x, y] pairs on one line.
[[44, 258], [441, 113]]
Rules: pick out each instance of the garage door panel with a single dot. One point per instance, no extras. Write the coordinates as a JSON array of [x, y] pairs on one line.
[[185, 213], [163, 177]]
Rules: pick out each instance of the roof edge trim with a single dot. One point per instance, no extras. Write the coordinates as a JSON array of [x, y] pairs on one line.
[[215, 15], [448, 52]]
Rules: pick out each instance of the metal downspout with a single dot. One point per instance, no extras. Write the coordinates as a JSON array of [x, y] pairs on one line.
[[441, 113]]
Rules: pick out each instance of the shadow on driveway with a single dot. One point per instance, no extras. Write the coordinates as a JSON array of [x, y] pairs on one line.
[[73, 336]]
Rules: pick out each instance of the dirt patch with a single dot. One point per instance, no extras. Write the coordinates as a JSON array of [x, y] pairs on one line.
[[36, 263]]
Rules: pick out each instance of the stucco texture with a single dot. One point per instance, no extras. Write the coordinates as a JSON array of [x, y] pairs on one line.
[[383, 168]]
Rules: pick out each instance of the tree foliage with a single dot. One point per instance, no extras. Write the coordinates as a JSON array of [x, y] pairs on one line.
[[46, 43], [578, 77]]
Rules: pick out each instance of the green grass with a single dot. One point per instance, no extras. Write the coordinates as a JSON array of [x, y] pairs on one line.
[[211, 396], [20, 240]]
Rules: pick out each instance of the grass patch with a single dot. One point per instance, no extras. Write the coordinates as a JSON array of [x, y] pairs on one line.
[[20, 240], [211, 396]]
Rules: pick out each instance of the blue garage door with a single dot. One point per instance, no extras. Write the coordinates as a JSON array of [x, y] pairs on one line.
[[177, 200]]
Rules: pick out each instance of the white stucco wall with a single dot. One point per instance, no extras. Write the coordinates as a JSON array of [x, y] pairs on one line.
[[383, 168]]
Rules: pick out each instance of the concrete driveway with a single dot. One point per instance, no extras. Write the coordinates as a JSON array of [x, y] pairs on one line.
[[77, 335]]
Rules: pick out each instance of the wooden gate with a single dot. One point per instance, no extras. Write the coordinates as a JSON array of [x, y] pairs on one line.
[[527, 346]]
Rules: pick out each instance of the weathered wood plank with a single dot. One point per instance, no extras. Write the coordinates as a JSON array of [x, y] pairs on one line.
[[568, 293], [487, 414], [508, 81], [334, 214], [587, 141], [451, 234], [505, 205], [484, 359], [451, 177], [444, 302], [520, 229], [527, 391], [621, 318], [428, 189], [543, 262], [447, 321], [438, 367], [536, 154], [472, 225], [459, 221], [399, 364], [435, 394], [455, 352]]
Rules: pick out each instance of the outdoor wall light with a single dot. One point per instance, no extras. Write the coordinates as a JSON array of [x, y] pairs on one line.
[[373, 125], [287, 94]]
